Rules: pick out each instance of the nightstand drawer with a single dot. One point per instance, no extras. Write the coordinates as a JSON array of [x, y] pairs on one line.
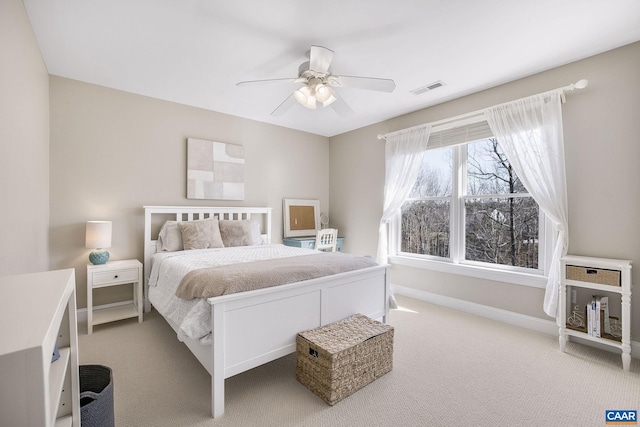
[[118, 276]]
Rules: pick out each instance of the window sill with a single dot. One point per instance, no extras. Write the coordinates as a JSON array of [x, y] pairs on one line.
[[517, 278]]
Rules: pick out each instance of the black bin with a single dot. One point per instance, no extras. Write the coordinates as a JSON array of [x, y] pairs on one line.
[[96, 396]]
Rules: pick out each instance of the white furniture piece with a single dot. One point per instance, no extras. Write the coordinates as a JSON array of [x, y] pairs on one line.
[[309, 242], [38, 314], [112, 274], [617, 267], [255, 327], [327, 240]]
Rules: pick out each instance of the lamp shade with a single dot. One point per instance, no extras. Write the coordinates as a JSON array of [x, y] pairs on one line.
[[98, 234], [98, 237]]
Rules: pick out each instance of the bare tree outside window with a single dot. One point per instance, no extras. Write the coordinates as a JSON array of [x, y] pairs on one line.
[[501, 219], [425, 227], [425, 216], [501, 229]]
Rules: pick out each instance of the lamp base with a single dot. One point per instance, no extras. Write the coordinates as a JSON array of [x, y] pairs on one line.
[[99, 256]]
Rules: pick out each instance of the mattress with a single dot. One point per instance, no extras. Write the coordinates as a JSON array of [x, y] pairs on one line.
[[194, 316]]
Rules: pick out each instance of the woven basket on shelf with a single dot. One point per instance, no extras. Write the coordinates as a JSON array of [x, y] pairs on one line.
[[594, 275], [338, 359]]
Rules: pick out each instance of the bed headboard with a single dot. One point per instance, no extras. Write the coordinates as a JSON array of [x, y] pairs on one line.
[[155, 216]]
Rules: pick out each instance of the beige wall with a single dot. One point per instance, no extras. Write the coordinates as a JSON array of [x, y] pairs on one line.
[[24, 146], [113, 152], [602, 145]]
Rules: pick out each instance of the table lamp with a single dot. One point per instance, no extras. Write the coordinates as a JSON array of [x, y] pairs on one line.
[[98, 237]]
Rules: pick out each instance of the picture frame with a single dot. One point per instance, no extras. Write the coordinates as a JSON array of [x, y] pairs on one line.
[[215, 170], [301, 217]]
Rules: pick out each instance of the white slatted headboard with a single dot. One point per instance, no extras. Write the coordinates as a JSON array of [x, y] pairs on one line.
[[155, 216]]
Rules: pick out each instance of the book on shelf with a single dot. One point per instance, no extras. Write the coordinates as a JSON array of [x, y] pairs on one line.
[[604, 307], [590, 310], [597, 315]]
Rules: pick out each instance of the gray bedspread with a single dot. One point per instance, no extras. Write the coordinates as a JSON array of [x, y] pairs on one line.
[[248, 276]]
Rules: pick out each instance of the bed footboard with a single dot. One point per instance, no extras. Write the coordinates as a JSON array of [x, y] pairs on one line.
[[253, 328]]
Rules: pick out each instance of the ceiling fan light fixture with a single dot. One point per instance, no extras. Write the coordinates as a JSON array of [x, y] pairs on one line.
[[311, 103], [323, 92], [317, 82], [306, 97], [329, 101], [300, 96]]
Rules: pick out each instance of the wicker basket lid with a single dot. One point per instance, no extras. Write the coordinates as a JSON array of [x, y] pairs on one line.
[[345, 333]]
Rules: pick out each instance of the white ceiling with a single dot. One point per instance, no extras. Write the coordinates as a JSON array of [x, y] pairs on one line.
[[195, 51]]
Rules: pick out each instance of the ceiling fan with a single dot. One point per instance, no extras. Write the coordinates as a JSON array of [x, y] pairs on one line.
[[318, 83]]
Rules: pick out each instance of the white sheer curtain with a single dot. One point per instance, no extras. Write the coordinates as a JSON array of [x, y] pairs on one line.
[[403, 159], [529, 132]]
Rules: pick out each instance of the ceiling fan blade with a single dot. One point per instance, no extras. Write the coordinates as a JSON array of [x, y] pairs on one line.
[[320, 59], [367, 83], [270, 81], [285, 106], [342, 108]]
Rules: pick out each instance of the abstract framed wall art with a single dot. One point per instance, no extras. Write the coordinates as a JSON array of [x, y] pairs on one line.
[[215, 170]]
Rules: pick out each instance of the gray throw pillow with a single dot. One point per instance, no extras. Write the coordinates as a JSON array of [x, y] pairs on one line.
[[201, 234], [240, 233]]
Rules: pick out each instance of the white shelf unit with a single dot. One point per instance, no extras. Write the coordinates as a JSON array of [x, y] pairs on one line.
[[616, 265], [114, 273], [39, 312]]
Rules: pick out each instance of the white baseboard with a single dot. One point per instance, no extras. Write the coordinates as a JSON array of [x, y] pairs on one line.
[[529, 322]]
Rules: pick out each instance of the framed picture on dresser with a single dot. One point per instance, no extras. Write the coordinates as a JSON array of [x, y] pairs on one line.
[[301, 217]]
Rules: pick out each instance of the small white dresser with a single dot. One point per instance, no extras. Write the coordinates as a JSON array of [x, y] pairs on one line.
[[39, 313], [620, 270]]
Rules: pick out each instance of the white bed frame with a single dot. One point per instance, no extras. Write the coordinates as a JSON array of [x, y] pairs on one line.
[[239, 342]]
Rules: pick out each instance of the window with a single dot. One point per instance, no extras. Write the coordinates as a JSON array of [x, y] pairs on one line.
[[426, 214], [468, 207]]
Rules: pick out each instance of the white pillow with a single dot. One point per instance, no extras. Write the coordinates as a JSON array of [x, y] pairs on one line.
[[256, 237], [170, 237]]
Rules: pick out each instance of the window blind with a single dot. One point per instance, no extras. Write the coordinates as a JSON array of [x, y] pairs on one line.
[[461, 132]]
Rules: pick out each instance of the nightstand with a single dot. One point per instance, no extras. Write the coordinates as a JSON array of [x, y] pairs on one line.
[[114, 273]]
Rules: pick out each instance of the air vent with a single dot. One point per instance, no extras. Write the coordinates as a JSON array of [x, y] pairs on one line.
[[427, 88]]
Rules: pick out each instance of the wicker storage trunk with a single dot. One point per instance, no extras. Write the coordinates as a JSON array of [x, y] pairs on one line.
[[338, 359]]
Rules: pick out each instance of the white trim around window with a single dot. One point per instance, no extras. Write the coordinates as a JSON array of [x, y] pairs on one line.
[[477, 271], [500, 273], [514, 275]]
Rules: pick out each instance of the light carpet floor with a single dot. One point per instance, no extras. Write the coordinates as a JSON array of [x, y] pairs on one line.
[[450, 369]]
